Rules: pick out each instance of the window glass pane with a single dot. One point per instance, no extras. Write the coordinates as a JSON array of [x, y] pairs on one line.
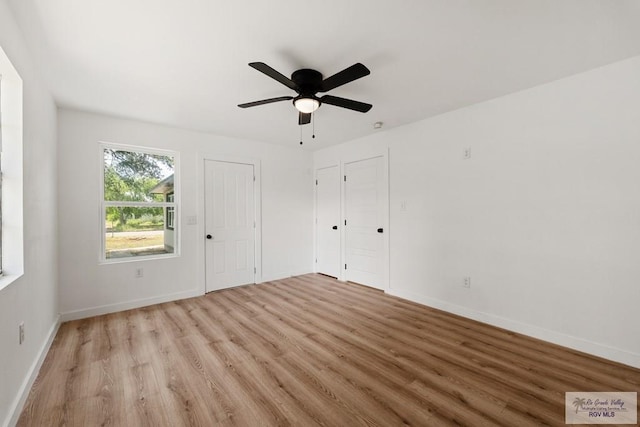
[[171, 212], [136, 177], [137, 231]]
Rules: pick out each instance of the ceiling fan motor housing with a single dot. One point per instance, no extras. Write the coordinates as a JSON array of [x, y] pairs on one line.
[[309, 81]]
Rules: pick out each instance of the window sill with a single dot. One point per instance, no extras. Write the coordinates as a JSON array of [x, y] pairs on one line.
[[137, 258], [7, 279]]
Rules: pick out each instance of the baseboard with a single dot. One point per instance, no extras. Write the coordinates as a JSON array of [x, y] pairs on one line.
[[23, 392], [575, 343], [127, 305]]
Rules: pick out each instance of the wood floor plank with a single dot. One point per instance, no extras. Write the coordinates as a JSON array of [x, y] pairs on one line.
[[307, 350], [363, 346]]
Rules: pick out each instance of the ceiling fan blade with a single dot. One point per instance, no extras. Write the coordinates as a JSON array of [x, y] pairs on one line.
[[265, 101], [304, 118], [345, 76], [264, 68], [346, 103]]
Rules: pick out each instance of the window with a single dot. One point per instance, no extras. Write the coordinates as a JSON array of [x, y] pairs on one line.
[[11, 173], [0, 178], [139, 203], [0, 175]]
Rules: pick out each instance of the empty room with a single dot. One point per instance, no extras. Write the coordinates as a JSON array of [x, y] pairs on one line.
[[333, 213]]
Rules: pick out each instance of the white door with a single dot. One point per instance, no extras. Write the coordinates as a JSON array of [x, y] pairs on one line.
[[365, 201], [229, 224], [328, 221]]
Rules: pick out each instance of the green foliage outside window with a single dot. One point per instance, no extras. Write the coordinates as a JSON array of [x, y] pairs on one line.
[[130, 177]]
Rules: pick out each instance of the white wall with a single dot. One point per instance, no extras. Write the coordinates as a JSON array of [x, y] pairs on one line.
[[87, 287], [33, 297], [544, 217]]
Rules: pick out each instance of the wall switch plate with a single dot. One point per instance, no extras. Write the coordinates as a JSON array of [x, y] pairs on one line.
[[21, 333], [467, 282], [192, 220]]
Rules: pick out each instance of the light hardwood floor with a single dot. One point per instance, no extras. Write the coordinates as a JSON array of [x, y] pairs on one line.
[[306, 351]]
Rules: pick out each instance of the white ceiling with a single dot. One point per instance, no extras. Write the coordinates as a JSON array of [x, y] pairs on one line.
[[184, 63]]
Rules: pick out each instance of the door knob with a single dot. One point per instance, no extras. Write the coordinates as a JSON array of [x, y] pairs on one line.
[[209, 236], [380, 230], [335, 227]]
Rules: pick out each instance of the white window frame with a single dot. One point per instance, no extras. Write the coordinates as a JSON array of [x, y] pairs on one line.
[[105, 204]]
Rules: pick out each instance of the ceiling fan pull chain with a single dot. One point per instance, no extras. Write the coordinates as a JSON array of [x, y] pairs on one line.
[[313, 125], [300, 134]]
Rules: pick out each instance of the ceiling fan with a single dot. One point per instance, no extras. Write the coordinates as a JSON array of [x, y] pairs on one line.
[[307, 83]]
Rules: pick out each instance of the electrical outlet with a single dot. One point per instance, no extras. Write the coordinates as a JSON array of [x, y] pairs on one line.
[[467, 153], [467, 282], [21, 333], [139, 272]]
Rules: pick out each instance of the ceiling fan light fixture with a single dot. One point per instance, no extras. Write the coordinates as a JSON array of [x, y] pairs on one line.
[[306, 105]]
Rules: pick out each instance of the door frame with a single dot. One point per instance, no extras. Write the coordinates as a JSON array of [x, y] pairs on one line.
[[201, 231], [384, 153]]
